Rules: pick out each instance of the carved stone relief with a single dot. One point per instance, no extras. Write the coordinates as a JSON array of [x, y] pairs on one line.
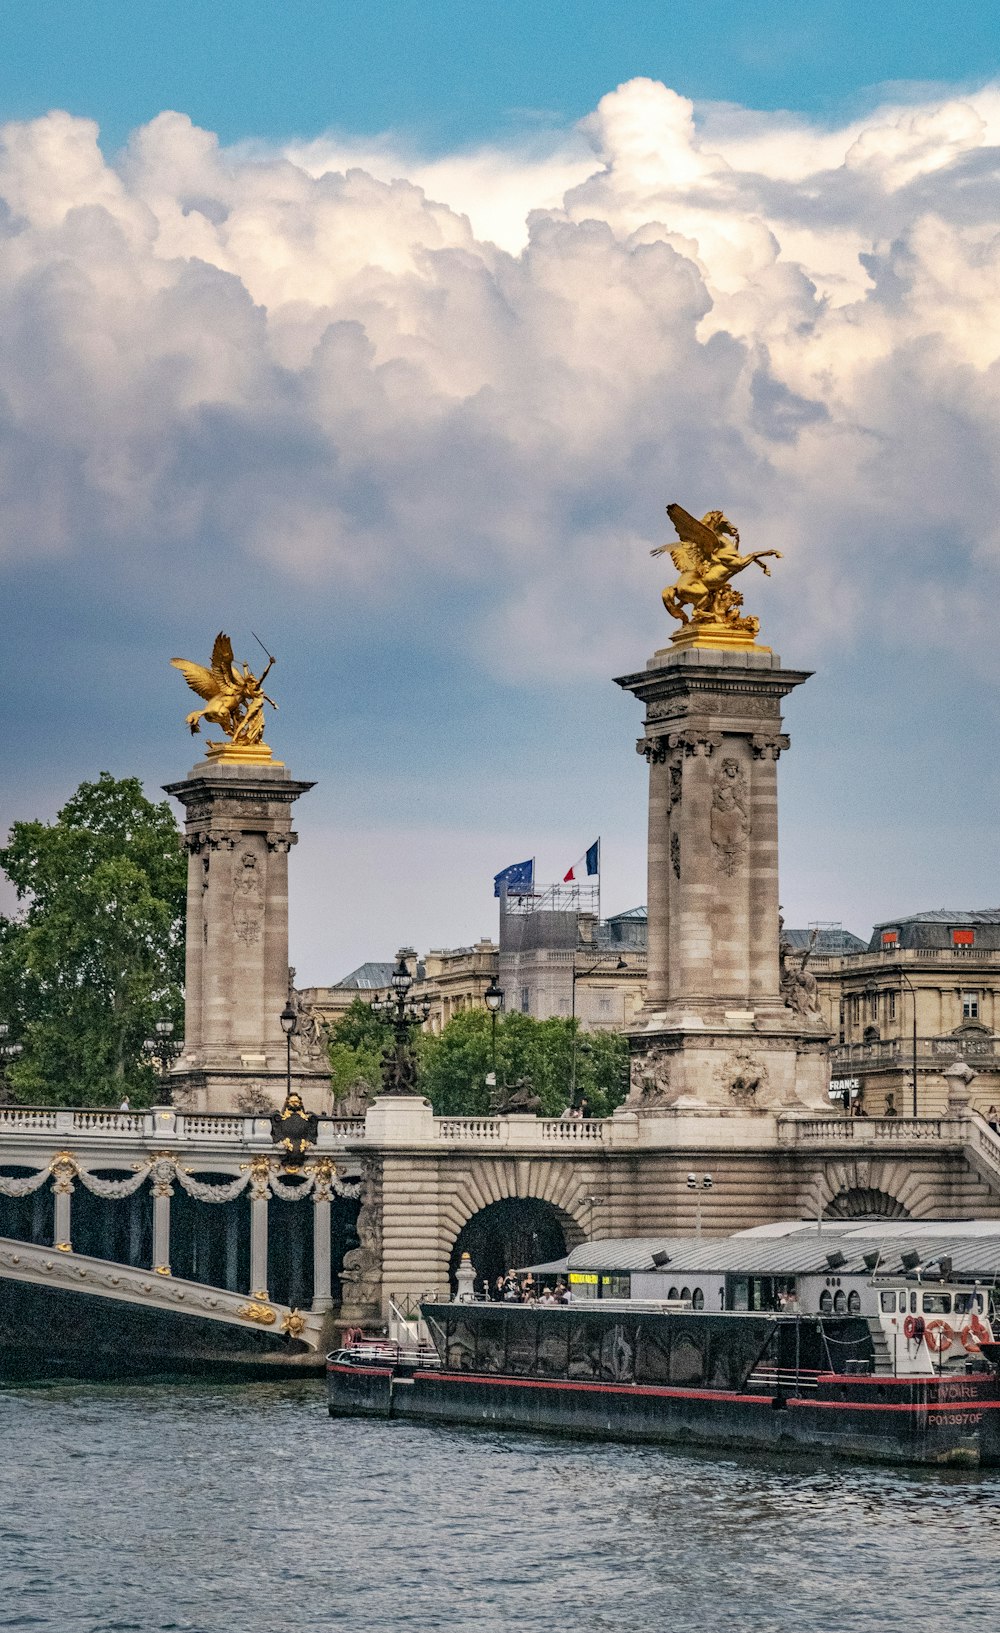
[[649, 1079], [248, 897], [742, 1078], [730, 822]]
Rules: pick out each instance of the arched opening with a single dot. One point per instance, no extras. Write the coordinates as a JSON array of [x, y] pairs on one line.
[[518, 1231], [864, 1203], [28, 1218]]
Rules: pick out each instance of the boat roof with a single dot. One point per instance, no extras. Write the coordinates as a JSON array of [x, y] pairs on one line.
[[800, 1248]]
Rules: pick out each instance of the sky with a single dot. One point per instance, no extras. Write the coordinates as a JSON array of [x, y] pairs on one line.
[[390, 334]]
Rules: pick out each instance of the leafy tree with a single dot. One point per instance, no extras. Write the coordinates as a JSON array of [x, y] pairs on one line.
[[454, 1064], [357, 1040], [96, 953]]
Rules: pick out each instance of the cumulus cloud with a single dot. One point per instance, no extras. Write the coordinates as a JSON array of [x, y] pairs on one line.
[[472, 384]]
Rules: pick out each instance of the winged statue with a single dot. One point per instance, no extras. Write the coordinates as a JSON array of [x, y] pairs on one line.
[[234, 697], [707, 558]]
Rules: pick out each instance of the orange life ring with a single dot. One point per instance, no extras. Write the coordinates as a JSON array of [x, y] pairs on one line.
[[939, 1335], [910, 1327], [974, 1332]]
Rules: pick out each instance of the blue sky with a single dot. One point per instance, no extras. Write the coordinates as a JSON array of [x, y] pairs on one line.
[[453, 73], [393, 339]]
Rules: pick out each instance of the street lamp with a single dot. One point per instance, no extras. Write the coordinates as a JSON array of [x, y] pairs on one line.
[[398, 1066], [620, 965], [903, 977], [289, 1025], [493, 999], [8, 1051], [699, 1186], [163, 1048]]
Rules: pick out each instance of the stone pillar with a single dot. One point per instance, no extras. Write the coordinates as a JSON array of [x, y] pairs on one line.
[[724, 1025], [238, 833], [162, 1172], [64, 1171], [260, 1190], [322, 1269]]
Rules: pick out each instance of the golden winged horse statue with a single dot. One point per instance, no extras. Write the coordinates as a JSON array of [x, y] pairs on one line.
[[707, 558], [234, 699]]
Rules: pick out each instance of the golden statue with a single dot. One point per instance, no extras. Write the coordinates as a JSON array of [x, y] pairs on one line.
[[234, 701], [706, 559]]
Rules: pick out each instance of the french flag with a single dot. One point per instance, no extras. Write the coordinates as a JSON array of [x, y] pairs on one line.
[[589, 864]]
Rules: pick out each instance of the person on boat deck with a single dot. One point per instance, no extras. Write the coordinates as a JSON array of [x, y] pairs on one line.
[[498, 1288], [562, 1293]]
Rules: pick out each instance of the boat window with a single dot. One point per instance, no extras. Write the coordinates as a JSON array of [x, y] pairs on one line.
[[825, 1301], [698, 1299], [461, 1345], [553, 1339], [687, 1364], [902, 1303], [888, 1302], [937, 1304], [964, 1302], [652, 1362], [686, 1294], [490, 1342], [522, 1342], [913, 1303], [616, 1286], [585, 1349], [673, 1293], [840, 1301], [854, 1302]]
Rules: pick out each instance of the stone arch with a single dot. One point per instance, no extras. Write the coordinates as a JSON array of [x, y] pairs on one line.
[[567, 1188], [852, 1188], [511, 1234], [864, 1203]]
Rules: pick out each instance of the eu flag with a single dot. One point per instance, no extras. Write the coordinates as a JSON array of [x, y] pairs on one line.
[[520, 876]]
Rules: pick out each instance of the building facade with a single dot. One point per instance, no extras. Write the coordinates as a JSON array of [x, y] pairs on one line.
[[923, 994]]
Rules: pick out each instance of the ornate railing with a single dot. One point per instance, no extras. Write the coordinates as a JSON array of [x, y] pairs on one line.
[[871, 1130], [201, 1128]]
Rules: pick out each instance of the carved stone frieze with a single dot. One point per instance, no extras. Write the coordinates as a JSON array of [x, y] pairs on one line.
[[742, 1078], [649, 1079]]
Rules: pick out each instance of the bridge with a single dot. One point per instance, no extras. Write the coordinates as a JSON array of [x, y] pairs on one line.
[[167, 1211]]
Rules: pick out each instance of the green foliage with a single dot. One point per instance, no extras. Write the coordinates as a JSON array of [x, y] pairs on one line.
[[96, 953], [357, 1040], [454, 1064]]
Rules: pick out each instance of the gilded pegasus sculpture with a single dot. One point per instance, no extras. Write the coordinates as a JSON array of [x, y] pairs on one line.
[[234, 698], [707, 558]]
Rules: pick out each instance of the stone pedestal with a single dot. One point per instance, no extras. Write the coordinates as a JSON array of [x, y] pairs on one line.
[[238, 833], [724, 1024]]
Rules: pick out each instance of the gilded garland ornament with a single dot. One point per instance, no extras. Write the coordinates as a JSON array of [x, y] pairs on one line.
[[707, 558], [234, 701]]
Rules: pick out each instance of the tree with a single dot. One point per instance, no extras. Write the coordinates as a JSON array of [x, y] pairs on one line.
[[96, 953], [454, 1064], [357, 1041]]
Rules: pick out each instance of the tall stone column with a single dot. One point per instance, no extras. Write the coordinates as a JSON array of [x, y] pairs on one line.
[[322, 1264], [162, 1192], [260, 1190], [724, 1024], [64, 1171], [238, 833]]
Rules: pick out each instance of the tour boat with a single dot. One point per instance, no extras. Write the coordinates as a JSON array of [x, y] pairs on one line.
[[917, 1381]]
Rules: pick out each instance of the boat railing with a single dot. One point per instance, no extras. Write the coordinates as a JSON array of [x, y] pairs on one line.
[[386, 1352]]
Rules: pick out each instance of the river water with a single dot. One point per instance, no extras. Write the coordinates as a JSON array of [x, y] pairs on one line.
[[246, 1510]]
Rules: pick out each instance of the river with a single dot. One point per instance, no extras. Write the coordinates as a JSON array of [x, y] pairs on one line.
[[246, 1510]]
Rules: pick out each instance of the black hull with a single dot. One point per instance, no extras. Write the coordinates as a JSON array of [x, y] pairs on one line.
[[918, 1423], [49, 1333]]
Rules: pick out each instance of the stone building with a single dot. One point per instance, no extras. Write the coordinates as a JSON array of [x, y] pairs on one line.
[[558, 961], [923, 993]]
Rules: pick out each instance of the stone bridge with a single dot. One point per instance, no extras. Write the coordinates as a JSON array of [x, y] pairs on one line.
[[188, 1207]]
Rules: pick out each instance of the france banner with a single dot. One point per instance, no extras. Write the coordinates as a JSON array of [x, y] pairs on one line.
[[519, 876]]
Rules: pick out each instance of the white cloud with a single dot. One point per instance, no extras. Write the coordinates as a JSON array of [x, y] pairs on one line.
[[475, 381]]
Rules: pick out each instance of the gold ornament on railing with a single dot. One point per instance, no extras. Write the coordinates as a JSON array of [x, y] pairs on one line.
[[234, 701], [707, 558]]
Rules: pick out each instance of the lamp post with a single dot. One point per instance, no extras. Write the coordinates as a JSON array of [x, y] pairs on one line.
[[163, 1048], [620, 965], [398, 1066], [8, 1051], [903, 977], [493, 999], [699, 1186], [289, 1025]]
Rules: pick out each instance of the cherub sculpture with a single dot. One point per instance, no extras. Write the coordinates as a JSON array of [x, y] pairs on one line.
[[233, 696], [706, 559]]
